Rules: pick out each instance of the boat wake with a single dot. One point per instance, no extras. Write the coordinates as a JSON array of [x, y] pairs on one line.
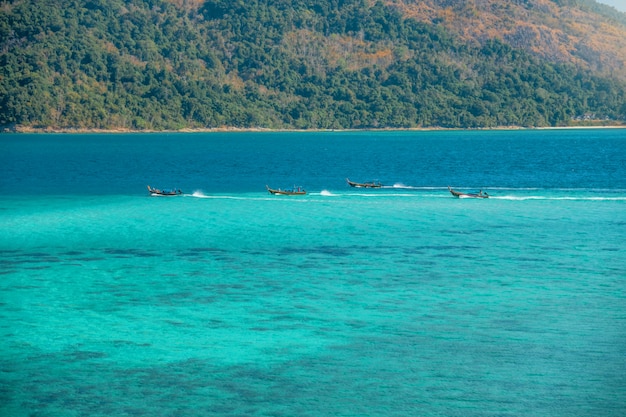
[[199, 194], [510, 194], [400, 186], [556, 198]]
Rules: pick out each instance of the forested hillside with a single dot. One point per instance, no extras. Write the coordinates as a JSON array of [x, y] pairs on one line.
[[308, 64]]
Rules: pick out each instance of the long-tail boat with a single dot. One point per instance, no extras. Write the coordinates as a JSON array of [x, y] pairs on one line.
[[372, 184], [157, 192], [293, 191], [459, 194]]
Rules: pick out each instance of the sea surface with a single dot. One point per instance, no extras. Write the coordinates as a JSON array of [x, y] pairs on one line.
[[228, 301]]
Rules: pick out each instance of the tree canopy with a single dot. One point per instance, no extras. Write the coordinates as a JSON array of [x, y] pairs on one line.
[[303, 64]]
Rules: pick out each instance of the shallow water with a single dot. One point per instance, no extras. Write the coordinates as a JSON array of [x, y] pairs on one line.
[[229, 301]]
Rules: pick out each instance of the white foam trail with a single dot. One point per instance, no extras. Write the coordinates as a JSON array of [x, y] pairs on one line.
[[401, 186], [516, 198], [200, 194], [533, 197], [327, 193]]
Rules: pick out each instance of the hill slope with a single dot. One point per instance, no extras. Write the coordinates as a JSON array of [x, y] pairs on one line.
[[157, 64], [581, 32]]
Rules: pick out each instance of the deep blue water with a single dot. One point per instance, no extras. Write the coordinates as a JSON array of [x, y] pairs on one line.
[[244, 162], [228, 301]]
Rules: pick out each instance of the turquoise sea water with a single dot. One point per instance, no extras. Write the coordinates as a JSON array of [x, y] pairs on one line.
[[228, 301]]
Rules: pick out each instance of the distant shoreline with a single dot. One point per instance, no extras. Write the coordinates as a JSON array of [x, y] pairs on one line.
[[23, 129]]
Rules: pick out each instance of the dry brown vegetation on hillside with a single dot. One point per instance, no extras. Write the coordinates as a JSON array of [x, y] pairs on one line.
[[565, 33]]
